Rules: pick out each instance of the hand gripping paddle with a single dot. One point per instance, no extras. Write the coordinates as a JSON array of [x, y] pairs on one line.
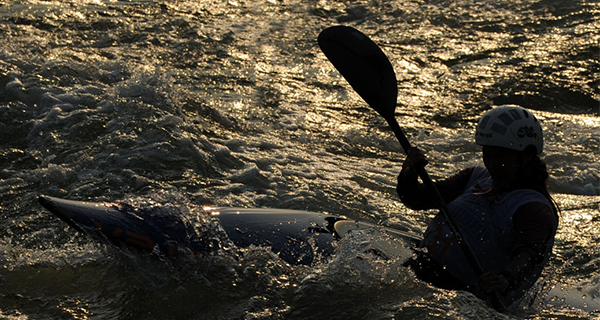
[[370, 73]]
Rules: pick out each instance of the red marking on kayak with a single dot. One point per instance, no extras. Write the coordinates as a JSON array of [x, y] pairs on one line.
[[139, 240], [171, 251], [117, 232]]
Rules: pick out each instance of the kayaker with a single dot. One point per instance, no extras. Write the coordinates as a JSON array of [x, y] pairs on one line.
[[503, 210]]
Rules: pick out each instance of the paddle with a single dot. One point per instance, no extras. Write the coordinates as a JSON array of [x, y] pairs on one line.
[[370, 73]]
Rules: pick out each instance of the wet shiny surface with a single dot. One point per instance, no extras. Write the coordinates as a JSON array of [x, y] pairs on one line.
[[231, 103]]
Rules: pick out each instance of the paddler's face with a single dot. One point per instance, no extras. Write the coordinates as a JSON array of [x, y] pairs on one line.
[[503, 165]]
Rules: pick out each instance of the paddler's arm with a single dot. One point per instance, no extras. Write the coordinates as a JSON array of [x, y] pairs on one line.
[[414, 195], [533, 226], [411, 192]]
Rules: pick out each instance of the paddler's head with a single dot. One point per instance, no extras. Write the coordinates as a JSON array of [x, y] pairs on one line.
[[512, 139]]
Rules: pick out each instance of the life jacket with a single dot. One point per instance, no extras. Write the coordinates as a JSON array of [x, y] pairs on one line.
[[484, 216]]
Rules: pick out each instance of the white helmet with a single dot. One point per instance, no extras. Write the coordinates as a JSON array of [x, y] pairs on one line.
[[511, 127]]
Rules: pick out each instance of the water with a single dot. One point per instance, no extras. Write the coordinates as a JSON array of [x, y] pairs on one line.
[[231, 103]]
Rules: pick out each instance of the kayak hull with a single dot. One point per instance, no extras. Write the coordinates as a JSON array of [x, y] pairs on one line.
[[297, 237]]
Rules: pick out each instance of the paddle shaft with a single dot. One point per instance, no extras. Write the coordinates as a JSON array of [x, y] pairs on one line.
[[441, 204]]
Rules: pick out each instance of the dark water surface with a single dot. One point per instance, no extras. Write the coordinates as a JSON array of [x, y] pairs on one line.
[[183, 104]]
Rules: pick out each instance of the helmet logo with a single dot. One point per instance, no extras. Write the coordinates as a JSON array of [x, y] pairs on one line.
[[526, 132]]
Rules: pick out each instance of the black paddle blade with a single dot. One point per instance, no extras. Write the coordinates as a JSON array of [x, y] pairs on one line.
[[362, 63]]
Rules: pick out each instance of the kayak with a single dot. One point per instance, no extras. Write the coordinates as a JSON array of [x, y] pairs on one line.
[[297, 237]]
